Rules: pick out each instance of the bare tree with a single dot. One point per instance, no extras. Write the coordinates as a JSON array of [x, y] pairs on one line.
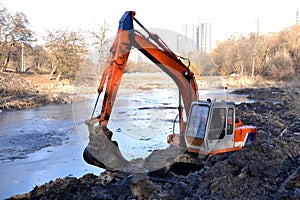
[[14, 35], [99, 39], [67, 50], [289, 41], [260, 55], [224, 58], [280, 66], [38, 59]]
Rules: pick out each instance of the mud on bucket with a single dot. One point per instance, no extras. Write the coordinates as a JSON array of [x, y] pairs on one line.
[[101, 151]]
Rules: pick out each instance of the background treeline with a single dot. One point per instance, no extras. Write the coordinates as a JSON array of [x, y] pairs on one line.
[[63, 52], [274, 55]]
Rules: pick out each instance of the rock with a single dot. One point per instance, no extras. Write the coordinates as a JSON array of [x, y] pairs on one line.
[[141, 186], [181, 191]]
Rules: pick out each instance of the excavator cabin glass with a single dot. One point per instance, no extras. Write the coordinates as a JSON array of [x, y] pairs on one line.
[[198, 121]]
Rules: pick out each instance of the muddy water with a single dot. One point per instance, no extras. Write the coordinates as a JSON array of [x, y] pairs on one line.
[[39, 145], [24, 132], [142, 119], [42, 144]]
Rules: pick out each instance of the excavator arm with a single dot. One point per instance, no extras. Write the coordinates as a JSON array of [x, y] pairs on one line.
[[158, 52]]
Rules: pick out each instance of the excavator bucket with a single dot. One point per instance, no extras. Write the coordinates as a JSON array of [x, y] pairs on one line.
[[104, 153], [101, 151]]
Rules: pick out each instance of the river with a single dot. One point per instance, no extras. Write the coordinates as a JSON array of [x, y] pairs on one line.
[[45, 143]]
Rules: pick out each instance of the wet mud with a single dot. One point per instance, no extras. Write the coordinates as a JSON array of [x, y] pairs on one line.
[[16, 93], [19, 146]]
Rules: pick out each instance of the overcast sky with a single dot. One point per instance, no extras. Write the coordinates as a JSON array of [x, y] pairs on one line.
[[226, 16]]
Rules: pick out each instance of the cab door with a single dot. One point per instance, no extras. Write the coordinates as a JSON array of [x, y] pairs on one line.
[[220, 132], [217, 129]]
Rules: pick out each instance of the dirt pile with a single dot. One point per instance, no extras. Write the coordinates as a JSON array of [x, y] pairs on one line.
[[275, 94], [265, 170], [269, 168], [17, 92], [269, 171]]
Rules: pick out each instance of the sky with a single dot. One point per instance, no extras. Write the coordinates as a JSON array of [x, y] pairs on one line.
[[227, 17]]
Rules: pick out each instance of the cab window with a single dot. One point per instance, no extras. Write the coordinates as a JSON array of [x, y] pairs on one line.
[[197, 122], [218, 123], [230, 122]]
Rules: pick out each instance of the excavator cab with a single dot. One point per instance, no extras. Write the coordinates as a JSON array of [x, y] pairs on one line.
[[210, 123], [212, 128]]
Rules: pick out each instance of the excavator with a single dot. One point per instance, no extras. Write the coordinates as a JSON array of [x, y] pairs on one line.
[[211, 126]]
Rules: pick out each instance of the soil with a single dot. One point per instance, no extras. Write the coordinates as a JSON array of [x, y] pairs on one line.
[[268, 168], [28, 91]]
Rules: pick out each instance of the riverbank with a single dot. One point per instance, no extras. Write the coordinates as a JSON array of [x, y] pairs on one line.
[[28, 91]]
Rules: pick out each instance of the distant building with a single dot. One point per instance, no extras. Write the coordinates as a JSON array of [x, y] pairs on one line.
[[200, 34]]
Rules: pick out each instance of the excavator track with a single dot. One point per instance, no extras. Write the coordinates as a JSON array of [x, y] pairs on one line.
[[172, 159], [104, 153]]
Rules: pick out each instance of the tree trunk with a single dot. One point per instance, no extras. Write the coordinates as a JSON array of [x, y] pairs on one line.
[[52, 72], [58, 76], [6, 63], [253, 65], [242, 69]]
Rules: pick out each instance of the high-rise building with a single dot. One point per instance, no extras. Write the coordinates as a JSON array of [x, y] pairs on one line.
[[200, 33]]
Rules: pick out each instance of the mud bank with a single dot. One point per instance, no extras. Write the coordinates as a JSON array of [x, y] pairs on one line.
[[28, 91], [266, 169]]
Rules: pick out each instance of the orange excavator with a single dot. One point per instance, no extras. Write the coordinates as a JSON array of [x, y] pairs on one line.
[[211, 126]]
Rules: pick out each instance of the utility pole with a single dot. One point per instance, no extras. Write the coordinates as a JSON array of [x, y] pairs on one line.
[[257, 26], [254, 43], [253, 64], [22, 58]]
